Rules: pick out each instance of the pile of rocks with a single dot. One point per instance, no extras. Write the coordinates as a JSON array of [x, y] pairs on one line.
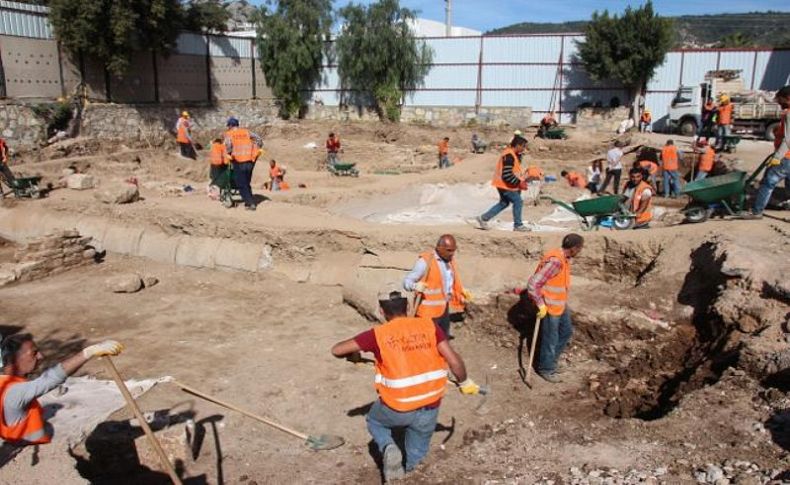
[[49, 255], [735, 471], [611, 476]]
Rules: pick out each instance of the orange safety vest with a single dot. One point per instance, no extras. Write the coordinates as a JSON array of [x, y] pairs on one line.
[[706, 160], [555, 291], [275, 172], [646, 118], [444, 147], [243, 146], [4, 151], [29, 430], [434, 301], [411, 373], [651, 167], [497, 180], [534, 172], [333, 145], [575, 180], [779, 134], [218, 155], [669, 157], [725, 114], [182, 130], [647, 215]]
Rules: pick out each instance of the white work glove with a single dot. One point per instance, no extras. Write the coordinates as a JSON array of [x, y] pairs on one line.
[[420, 287], [108, 347]]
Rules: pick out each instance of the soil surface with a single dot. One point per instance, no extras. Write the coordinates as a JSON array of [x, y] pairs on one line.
[[677, 370]]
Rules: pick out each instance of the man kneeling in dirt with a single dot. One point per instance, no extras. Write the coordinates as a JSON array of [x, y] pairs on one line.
[[21, 416], [412, 355], [548, 289]]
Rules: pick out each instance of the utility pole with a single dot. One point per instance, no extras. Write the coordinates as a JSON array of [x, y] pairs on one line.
[[448, 15]]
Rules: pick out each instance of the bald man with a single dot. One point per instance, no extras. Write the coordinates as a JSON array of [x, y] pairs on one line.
[[437, 284]]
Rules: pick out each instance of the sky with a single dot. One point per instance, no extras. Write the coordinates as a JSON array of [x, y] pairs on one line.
[[486, 15]]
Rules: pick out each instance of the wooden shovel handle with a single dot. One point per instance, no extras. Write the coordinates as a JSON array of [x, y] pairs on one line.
[[532, 348]]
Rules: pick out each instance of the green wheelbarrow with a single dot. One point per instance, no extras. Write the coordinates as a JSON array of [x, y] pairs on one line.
[[723, 195], [596, 212], [554, 134], [24, 187], [344, 169]]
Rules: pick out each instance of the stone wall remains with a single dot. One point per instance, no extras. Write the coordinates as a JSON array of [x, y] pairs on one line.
[[49, 255], [20, 126], [601, 119], [441, 116]]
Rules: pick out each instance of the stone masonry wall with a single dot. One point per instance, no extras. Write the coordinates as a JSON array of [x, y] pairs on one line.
[[601, 119], [20, 126], [441, 116], [49, 255]]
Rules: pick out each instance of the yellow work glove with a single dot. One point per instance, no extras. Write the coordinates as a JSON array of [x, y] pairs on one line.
[[542, 311], [108, 347], [420, 287], [468, 296], [469, 387], [774, 162]]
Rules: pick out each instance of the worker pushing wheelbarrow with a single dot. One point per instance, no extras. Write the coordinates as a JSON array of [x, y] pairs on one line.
[[723, 195], [600, 211], [228, 192]]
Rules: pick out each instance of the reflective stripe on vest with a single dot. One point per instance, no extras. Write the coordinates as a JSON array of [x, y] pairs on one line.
[[497, 180], [706, 160], [243, 147], [218, 154], [555, 291], [669, 157], [434, 300], [410, 373], [29, 430], [647, 215], [182, 133]]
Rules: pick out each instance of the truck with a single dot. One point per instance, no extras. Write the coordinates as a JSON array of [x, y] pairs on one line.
[[754, 112]]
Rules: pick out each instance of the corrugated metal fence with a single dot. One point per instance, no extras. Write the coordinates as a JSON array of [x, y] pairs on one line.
[[510, 71]]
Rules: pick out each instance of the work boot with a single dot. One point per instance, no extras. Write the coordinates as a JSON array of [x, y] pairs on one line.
[[553, 377], [751, 215], [250, 207], [562, 367], [481, 223], [393, 463], [521, 229]]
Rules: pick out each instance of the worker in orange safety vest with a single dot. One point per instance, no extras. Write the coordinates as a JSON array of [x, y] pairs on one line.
[[723, 121], [509, 181], [670, 165], [276, 177], [444, 152], [548, 289], [778, 167], [21, 416], [184, 136], [640, 197], [707, 158], [218, 160], [411, 360], [243, 147], [574, 179], [6, 173], [437, 284]]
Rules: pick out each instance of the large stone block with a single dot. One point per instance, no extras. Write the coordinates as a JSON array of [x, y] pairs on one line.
[[198, 252], [233, 255], [122, 239], [158, 246]]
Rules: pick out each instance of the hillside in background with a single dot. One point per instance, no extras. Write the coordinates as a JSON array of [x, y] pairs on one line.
[[757, 29]]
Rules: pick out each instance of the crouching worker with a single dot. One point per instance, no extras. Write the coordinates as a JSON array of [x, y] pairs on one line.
[[21, 416], [640, 198], [412, 356]]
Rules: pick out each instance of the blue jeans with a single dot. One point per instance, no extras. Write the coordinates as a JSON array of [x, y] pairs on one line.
[[773, 175], [555, 333], [700, 176], [420, 425], [444, 161], [721, 132], [671, 177], [242, 175], [507, 197]]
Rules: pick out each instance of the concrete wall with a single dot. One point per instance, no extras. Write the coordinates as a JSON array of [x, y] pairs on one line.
[[444, 116], [601, 119]]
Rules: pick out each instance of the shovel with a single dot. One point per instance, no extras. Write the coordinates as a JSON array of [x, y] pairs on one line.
[[321, 442], [532, 352]]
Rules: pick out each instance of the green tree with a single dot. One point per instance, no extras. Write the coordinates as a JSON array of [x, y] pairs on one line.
[[291, 40], [627, 48], [113, 30], [378, 55], [206, 15]]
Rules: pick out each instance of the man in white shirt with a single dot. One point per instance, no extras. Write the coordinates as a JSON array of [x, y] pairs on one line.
[[614, 168]]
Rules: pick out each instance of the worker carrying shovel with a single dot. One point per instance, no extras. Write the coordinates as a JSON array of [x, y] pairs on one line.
[[412, 355], [21, 416], [548, 289]]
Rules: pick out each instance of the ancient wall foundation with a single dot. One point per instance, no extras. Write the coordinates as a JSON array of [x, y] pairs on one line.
[[601, 119], [54, 253], [442, 116]]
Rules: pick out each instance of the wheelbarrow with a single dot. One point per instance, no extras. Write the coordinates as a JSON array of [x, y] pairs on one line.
[[730, 143], [25, 187], [555, 134], [720, 194], [343, 169], [598, 211]]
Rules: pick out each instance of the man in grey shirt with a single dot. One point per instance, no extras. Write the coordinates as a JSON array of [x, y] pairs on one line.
[[21, 416]]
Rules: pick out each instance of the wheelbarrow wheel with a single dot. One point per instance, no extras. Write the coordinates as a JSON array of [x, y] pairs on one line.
[[587, 224], [697, 214], [621, 222], [35, 193], [227, 200]]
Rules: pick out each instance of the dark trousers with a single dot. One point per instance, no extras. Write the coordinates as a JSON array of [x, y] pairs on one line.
[[444, 321], [242, 175], [612, 174], [215, 172], [7, 174], [187, 150]]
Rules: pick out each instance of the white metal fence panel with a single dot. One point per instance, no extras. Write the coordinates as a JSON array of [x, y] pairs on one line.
[[464, 50], [531, 49]]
